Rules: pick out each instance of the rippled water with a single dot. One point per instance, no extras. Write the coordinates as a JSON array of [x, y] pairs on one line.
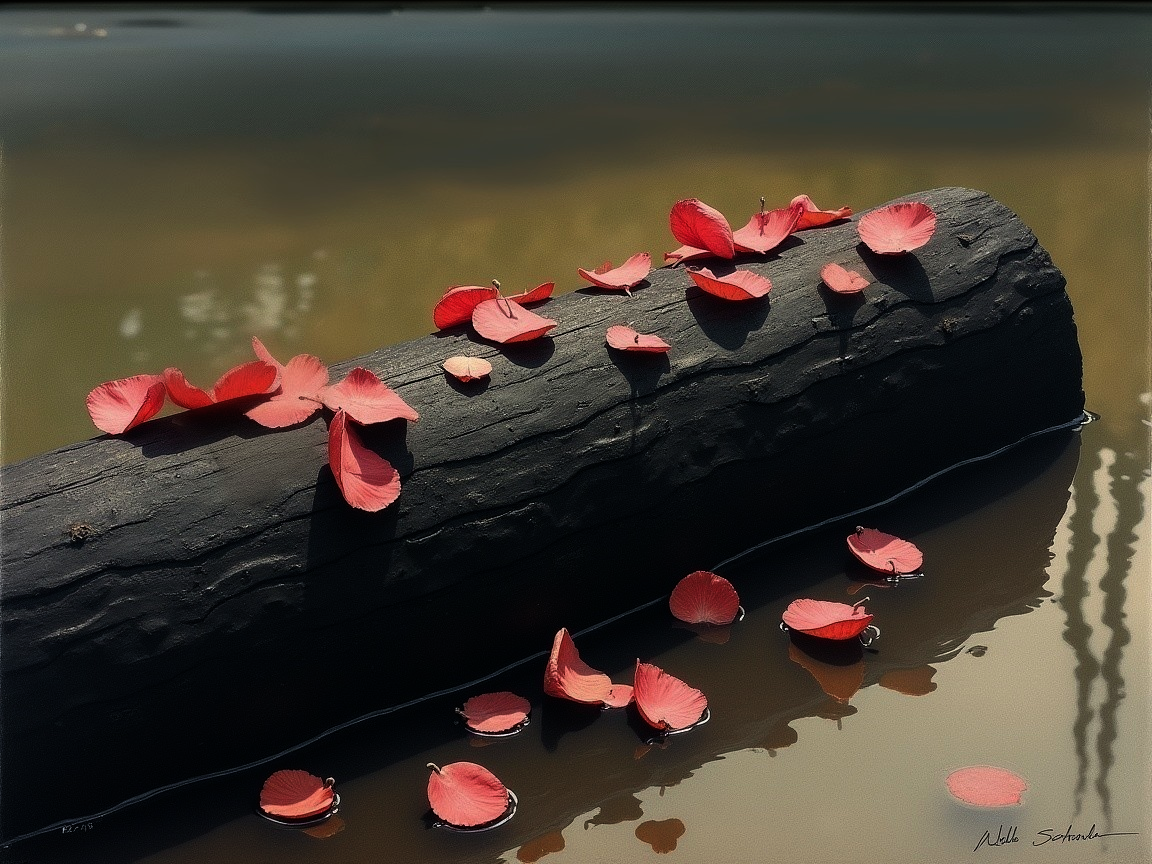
[[188, 179]]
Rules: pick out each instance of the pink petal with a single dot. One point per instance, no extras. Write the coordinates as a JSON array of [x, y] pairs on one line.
[[467, 368], [737, 285], [843, 281], [503, 320], [466, 794], [694, 223], [495, 712], [704, 598], [885, 552], [117, 406], [536, 295], [986, 786], [897, 228], [626, 339], [366, 399], [623, 278], [664, 701], [298, 399], [366, 480], [686, 253], [456, 306], [826, 619], [296, 795], [566, 676], [813, 217], [765, 231]]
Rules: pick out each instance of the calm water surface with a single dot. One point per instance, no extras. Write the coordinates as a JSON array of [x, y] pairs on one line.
[[175, 182]]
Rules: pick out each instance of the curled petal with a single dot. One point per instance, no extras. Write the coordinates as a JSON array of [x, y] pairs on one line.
[[695, 224], [366, 399], [897, 228], [704, 598], [299, 395], [623, 278], [503, 320], [117, 406], [456, 306], [467, 368], [826, 619], [626, 339], [843, 281], [566, 676], [366, 480], [664, 701], [765, 231], [813, 217], [686, 253], [294, 794], [535, 295], [885, 552], [737, 285], [254, 378]]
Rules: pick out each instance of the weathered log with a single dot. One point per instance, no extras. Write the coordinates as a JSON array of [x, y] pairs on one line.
[[197, 594]]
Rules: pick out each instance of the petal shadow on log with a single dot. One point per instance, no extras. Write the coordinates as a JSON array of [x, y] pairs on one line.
[[641, 370], [531, 354], [726, 322], [903, 273], [198, 427]]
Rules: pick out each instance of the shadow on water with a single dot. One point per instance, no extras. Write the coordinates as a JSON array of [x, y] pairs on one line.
[[566, 763]]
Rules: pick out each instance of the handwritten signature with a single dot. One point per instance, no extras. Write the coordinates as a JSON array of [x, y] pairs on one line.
[[1009, 834]]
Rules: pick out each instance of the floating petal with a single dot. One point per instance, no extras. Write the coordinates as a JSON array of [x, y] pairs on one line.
[[897, 228], [626, 339], [704, 598], [986, 786], [737, 285], [366, 480], [566, 676], [503, 320], [885, 552], [292, 794], [495, 712], [826, 619], [664, 701], [465, 794], [843, 281], [117, 406]]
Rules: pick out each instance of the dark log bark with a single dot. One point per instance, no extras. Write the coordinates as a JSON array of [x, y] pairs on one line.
[[227, 603]]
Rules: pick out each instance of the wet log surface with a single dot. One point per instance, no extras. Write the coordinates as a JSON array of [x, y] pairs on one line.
[[196, 594]]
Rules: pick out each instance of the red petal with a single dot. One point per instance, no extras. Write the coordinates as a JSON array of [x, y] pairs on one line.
[[694, 223], [623, 278], [182, 393], [686, 253], [467, 368], [897, 228], [737, 285], [813, 217], [665, 702], [626, 339], [986, 786], [843, 281], [826, 619], [248, 379], [704, 598], [117, 406], [367, 481], [540, 292], [300, 384], [495, 712], [295, 795], [466, 794], [366, 399], [765, 231], [456, 306], [503, 320], [885, 552], [566, 676]]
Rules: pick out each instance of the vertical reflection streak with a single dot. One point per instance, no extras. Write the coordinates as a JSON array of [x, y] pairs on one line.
[[1082, 545], [1121, 547]]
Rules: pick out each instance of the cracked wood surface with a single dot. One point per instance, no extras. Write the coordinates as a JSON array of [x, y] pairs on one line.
[[222, 565]]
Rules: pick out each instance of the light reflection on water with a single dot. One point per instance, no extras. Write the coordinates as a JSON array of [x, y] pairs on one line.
[[150, 231]]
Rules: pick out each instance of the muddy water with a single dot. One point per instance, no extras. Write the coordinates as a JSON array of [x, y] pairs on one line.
[[189, 179]]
